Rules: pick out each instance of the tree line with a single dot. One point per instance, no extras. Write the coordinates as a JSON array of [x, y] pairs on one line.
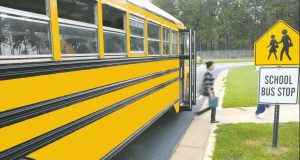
[[231, 24]]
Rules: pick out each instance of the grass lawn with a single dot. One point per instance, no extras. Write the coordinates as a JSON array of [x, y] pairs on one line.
[[249, 141], [241, 87]]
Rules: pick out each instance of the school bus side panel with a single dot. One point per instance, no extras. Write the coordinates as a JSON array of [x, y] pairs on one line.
[[98, 139], [24, 91]]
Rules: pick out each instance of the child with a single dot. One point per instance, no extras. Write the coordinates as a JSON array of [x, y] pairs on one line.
[[208, 83], [287, 43], [273, 48], [260, 110]]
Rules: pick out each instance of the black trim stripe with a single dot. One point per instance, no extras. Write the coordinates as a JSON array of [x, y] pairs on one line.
[[36, 143], [13, 116], [137, 133], [12, 71], [26, 158]]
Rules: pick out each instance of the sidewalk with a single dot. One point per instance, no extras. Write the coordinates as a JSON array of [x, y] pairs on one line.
[[198, 141]]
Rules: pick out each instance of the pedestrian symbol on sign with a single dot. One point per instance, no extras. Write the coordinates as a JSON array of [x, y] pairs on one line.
[[287, 43], [274, 46], [281, 49]]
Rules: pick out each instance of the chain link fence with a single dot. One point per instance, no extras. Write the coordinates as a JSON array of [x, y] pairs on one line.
[[226, 54]]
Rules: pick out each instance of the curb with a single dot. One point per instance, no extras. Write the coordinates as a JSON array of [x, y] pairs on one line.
[[210, 147]]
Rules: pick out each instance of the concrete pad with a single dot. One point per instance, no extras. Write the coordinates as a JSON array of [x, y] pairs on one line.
[[288, 113], [187, 153], [192, 146], [198, 129]]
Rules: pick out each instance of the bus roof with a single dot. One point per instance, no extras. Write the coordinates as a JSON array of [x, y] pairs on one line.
[[154, 9]]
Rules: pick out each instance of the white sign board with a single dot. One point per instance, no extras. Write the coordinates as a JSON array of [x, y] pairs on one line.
[[278, 85]]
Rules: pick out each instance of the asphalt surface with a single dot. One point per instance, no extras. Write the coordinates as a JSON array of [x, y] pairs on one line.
[[159, 140]]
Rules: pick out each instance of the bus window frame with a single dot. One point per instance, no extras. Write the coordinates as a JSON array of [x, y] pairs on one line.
[[177, 42], [24, 13], [141, 19], [164, 41], [115, 31], [79, 25], [84, 26], [31, 17], [156, 40]]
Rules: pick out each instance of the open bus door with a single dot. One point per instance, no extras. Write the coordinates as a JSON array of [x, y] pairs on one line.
[[187, 70]]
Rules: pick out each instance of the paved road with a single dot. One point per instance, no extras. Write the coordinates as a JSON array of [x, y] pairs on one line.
[[159, 140]]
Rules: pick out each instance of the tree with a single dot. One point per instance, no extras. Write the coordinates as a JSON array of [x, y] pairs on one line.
[[231, 24]]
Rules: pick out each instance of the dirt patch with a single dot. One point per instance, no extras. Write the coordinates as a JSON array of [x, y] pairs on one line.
[[277, 151]]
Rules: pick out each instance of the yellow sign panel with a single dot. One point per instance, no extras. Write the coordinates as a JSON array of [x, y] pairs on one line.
[[278, 46]]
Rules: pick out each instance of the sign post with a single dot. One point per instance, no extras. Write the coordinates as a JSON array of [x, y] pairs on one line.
[[276, 126], [278, 47]]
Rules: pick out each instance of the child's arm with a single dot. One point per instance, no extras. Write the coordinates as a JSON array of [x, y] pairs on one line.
[[280, 41], [289, 39]]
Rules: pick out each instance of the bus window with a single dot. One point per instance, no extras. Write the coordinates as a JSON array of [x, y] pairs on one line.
[[112, 17], [166, 34], [78, 40], [77, 10], [114, 31], [174, 43], [153, 38], [184, 43], [24, 29], [114, 43], [77, 26], [35, 6], [137, 38]]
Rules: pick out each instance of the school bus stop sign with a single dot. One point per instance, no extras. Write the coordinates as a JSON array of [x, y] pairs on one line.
[[278, 46]]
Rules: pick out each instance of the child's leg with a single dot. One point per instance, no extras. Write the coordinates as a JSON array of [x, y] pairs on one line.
[[213, 114], [287, 53], [281, 53], [260, 109], [275, 55], [269, 55]]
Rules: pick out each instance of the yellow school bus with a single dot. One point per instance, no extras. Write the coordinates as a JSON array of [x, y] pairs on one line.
[[80, 79]]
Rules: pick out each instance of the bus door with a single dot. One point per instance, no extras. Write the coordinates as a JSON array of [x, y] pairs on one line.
[[187, 70], [194, 67]]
